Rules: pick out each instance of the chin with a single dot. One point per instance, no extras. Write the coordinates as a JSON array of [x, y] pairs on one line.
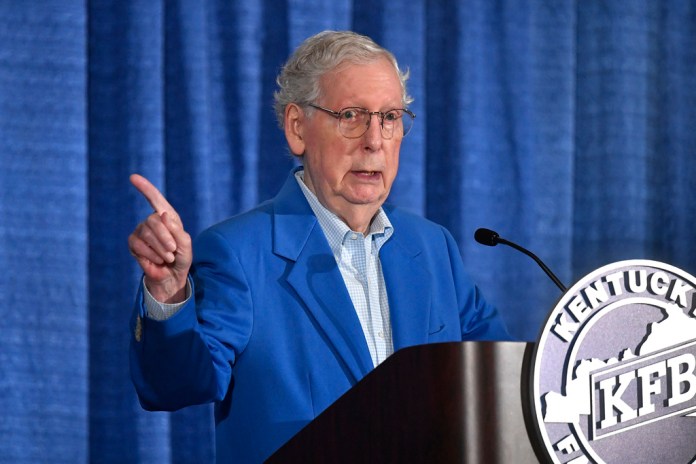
[[367, 195], [375, 200]]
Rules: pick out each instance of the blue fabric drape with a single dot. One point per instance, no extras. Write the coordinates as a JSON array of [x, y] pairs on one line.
[[565, 125]]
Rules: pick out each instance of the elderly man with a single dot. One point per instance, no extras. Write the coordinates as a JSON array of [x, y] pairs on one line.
[[282, 309]]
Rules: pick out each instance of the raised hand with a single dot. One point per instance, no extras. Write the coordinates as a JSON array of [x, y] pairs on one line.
[[161, 246]]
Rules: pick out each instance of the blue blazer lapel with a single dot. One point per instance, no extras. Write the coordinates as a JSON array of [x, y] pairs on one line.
[[316, 279], [408, 288]]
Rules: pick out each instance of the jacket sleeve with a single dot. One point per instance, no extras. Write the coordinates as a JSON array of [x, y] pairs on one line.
[[188, 358]]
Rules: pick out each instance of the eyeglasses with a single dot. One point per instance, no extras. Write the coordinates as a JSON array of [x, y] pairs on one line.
[[353, 122]]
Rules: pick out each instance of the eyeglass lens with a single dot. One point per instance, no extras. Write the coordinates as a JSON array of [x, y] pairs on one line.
[[354, 122]]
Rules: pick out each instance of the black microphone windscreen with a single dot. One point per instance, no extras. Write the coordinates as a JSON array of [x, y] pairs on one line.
[[486, 237]]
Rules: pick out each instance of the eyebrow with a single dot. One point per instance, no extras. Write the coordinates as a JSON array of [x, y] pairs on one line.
[[385, 108]]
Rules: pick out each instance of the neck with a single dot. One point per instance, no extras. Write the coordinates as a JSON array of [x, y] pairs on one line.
[[358, 218]]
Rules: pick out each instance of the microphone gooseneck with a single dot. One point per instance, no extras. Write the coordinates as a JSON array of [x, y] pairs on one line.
[[491, 238]]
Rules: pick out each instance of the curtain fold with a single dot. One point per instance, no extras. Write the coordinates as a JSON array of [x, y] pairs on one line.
[[44, 235], [567, 126]]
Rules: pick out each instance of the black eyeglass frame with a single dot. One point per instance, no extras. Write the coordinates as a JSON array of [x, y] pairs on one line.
[[381, 114]]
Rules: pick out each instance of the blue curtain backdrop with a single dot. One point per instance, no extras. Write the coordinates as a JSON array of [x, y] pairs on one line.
[[568, 126]]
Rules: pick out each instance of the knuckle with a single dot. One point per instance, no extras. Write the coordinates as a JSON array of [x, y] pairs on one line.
[[146, 234], [152, 220]]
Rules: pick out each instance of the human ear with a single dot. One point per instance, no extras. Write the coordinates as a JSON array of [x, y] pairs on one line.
[[294, 125]]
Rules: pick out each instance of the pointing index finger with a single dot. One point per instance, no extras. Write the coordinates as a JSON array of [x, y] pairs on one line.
[[151, 194]]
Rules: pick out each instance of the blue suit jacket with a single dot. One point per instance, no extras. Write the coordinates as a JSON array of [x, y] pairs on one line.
[[272, 336]]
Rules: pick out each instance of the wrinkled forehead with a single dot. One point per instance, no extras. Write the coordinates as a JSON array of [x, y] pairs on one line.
[[359, 77]]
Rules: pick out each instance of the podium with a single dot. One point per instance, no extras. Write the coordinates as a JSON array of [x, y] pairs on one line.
[[437, 403]]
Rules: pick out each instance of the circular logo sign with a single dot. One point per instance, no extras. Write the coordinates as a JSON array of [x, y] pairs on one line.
[[613, 374]]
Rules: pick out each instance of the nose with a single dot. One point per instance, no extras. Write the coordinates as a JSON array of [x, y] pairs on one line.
[[373, 135]]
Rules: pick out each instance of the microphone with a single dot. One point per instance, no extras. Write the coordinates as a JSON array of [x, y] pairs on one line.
[[491, 238]]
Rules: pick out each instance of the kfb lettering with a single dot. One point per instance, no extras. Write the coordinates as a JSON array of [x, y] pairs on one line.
[[644, 390]]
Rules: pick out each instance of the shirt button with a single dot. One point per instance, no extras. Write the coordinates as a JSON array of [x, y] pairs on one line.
[[380, 334], [354, 237]]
